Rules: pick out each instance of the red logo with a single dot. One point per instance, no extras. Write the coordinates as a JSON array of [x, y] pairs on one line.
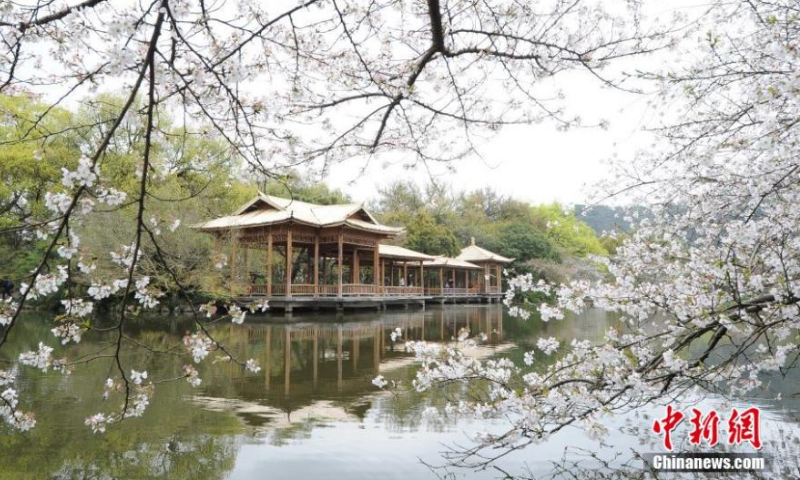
[[742, 427], [667, 425]]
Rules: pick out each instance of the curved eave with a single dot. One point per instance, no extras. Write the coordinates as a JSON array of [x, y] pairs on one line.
[[491, 260], [452, 263], [389, 231]]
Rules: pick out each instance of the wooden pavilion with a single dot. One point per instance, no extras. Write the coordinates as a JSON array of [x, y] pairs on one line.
[[452, 277], [282, 248], [491, 263]]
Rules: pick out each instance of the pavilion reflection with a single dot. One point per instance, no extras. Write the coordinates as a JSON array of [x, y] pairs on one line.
[[324, 368]]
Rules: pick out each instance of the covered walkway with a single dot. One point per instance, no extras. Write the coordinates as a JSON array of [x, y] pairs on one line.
[[281, 248]]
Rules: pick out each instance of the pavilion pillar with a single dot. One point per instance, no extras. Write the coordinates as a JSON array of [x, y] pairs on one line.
[[421, 277], [246, 263], [391, 273], [467, 274], [405, 273], [376, 269], [356, 273], [316, 264], [441, 280], [269, 263], [339, 261], [289, 262], [453, 276], [383, 277], [309, 265]]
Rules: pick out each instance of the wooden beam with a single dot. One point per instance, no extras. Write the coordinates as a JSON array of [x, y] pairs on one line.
[[316, 264], [339, 261], [269, 263], [289, 262]]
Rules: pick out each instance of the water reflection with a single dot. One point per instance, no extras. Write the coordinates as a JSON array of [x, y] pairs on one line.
[[324, 370], [311, 412]]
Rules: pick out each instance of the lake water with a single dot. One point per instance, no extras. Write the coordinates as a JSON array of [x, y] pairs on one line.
[[311, 413]]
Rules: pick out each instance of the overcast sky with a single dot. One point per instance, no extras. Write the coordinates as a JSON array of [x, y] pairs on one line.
[[538, 163]]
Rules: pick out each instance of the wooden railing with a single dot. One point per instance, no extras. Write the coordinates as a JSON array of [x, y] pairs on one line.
[[452, 292], [328, 291], [351, 290], [303, 289], [395, 291]]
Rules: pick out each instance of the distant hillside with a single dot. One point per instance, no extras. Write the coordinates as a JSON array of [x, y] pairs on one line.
[[603, 218]]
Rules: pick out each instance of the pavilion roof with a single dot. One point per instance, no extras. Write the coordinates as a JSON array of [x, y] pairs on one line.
[[474, 253], [400, 253], [265, 210], [440, 261]]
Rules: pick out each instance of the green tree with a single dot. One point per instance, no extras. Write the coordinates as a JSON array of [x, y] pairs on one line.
[[31, 159], [425, 235], [303, 188], [567, 231], [523, 242]]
